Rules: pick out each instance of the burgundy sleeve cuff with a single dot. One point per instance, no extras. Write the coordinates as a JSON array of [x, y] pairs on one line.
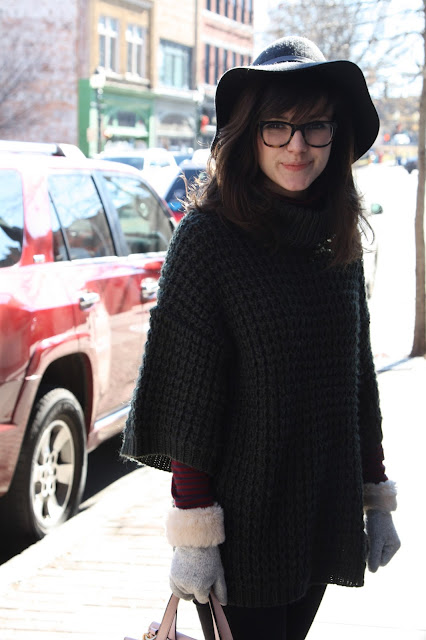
[[191, 488], [373, 467]]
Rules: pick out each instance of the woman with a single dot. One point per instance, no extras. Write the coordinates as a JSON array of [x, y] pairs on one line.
[[258, 387]]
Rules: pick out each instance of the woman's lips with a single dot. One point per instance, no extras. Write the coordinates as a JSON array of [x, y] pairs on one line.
[[295, 167]]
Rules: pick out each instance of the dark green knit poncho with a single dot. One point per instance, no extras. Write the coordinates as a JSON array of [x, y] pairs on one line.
[[258, 370]]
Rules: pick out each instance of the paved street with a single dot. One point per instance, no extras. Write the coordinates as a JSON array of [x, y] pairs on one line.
[[104, 574]]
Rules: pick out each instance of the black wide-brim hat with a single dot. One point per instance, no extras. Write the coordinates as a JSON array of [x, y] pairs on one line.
[[297, 55]]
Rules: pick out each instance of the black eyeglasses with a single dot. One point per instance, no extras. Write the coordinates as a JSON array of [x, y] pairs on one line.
[[277, 133]]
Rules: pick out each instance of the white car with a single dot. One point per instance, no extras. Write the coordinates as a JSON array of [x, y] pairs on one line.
[[154, 163], [371, 246], [371, 238]]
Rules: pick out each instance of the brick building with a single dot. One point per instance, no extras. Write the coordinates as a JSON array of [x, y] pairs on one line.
[[123, 72], [226, 40], [118, 62], [39, 70]]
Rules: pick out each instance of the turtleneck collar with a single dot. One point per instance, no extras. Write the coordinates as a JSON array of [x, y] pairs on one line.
[[300, 224]]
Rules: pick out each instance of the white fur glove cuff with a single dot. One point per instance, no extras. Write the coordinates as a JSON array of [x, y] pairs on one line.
[[383, 540], [381, 496], [201, 527], [196, 565]]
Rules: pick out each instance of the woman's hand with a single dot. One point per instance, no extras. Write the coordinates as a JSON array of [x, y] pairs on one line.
[[197, 566], [196, 571], [383, 540]]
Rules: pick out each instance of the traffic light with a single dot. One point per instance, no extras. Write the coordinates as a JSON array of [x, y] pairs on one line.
[[204, 121]]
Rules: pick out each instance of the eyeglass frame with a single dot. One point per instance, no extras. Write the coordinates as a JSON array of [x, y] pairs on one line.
[[297, 127]]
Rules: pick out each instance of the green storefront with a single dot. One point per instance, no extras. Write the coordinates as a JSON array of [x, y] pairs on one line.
[[114, 114]]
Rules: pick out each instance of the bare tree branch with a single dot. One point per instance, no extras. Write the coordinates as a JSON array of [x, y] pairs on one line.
[[23, 62]]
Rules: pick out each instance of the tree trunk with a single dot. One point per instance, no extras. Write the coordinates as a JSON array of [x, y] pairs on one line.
[[419, 342]]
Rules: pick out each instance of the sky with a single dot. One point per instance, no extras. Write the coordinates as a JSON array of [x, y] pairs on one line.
[[397, 12]]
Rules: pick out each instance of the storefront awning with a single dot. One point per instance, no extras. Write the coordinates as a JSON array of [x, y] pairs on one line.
[[115, 131]]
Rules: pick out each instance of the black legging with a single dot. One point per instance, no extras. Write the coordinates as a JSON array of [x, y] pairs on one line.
[[289, 622]]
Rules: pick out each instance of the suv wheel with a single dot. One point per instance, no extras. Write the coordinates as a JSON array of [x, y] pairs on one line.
[[51, 471]]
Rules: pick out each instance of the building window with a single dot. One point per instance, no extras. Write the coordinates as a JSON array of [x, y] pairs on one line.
[[108, 43], [175, 65], [209, 5], [250, 10], [126, 118], [216, 64], [225, 60], [135, 39], [207, 65], [217, 6], [233, 13]]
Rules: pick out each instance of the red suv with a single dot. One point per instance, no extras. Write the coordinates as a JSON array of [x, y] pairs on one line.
[[82, 243]]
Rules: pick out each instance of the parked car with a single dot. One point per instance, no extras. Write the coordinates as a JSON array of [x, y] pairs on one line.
[[174, 190], [155, 163], [142, 159], [373, 210], [82, 243], [371, 246], [181, 156], [410, 164]]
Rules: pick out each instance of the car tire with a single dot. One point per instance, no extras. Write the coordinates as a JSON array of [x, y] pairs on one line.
[[51, 471]]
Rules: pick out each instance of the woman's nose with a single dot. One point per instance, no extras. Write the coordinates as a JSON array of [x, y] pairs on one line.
[[297, 142]]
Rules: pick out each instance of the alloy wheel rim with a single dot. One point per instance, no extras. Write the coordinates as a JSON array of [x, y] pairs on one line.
[[52, 474]]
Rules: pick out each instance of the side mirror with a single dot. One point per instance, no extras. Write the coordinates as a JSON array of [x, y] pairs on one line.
[[376, 208]]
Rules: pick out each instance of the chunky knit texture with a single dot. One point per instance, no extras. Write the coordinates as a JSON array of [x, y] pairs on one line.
[[258, 371]]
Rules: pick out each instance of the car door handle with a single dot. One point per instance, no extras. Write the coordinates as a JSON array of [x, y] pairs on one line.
[[149, 288], [88, 299]]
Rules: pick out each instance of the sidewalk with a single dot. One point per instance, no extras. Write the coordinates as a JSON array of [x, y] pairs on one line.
[[104, 574]]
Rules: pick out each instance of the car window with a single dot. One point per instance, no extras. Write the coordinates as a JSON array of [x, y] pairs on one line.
[[145, 226], [82, 216], [133, 161], [60, 252], [11, 218], [159, 161]]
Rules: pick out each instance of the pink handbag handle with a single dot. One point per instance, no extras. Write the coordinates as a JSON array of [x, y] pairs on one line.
[[167, 630], [169, 620], [220, 622]]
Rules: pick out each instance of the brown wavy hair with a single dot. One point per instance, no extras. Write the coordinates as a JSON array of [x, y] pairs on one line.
[[234, 186]]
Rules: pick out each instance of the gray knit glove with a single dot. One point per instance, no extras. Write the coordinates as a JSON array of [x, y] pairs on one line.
[[195, 571], [196, 565], [383, 540]]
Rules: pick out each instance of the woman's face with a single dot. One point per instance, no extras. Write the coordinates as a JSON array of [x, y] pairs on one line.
[[293, 168]]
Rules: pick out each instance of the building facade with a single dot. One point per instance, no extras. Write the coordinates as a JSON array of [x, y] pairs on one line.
[[175, 36], [115, 98], [129, 73], [39, 70], [226, 40]]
